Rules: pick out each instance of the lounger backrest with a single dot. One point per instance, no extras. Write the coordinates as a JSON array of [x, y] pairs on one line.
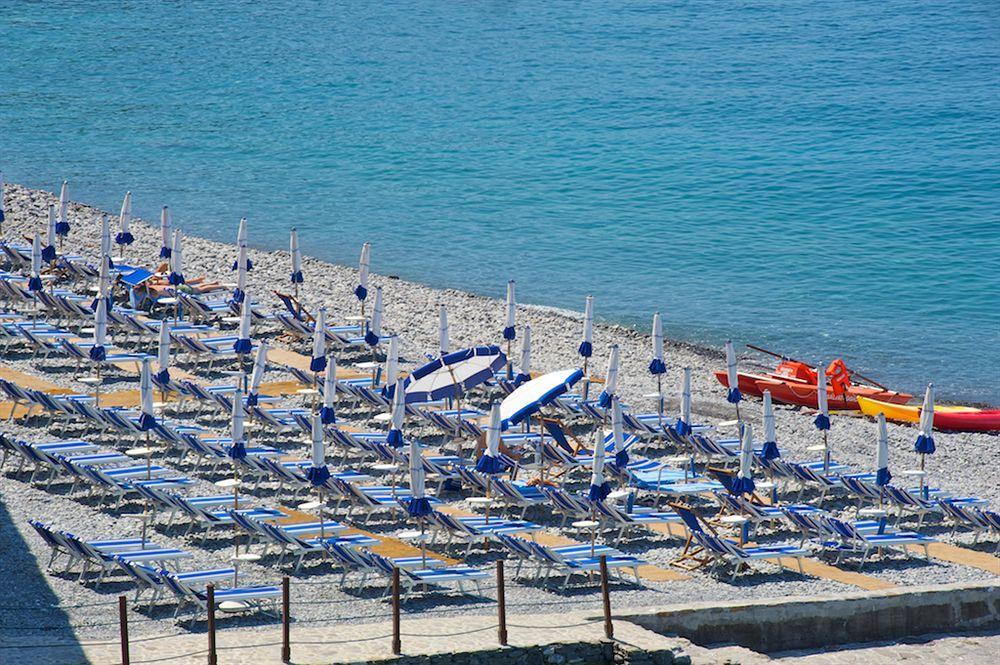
[[689, 518], [517, 545]]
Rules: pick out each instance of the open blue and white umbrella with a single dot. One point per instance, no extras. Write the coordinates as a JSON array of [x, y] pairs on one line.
[[392, 363], [451, 375], [318, 361], [417, 505], [125, 236], [509, 331], [242, 240], [35, 281], [490, 462], [62, 223], [364, 263], [656, 366], [98, 352], [443, 346], [618, 434], [374, 333], [395, 436], [163, 354], [882, 474], [106, 239], [257, 377], [237, 432], [743, 484], [318, 473], [328, 413], [49, 249], [599, 488], [532, 396], [733, 396], [524, 371], [683, 426], [176, 277], [147, 419], [610, 378], [770, 449], [239, 293], [586, 348], [165, 233], [293, 248], [243, 345]]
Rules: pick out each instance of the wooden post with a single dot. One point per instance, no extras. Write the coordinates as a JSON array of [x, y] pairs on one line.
[[609, 629], [213, 658], [286, 647], [501, 605], [123, 627], [397, 647]]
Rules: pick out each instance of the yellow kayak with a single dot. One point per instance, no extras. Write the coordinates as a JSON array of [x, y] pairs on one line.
[[905, 413]]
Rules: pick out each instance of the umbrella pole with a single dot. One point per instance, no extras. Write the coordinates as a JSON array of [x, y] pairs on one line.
[[923, 484], [322, 532], [593, 530], [510, 363], [826, 453], [423, 544], [97, 388], [586, 379]]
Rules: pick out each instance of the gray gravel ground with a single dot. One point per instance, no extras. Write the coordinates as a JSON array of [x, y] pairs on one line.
[[965, 464]]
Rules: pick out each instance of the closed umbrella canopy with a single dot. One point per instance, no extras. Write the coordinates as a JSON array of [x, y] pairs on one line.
[[97, 352], [599, 488], [239, 293], [243, 345], [417, 505], [443, 330], [770, 450], [882, 475], [531, 396], [146, 418], [925, 439], [490, 461], [62, 224], [106, 238], [744, 478], [610, 378], [165, 250], [374, 332], [49, 249], [733, 396], [176, 261], [509, 331], [328, 412], [822, 420], [163, 354], [125, 236], [395, 437], [318, 473], [361, 290], [656, 365], [35, 281], [242, 240], [103, 282], [3, 207], [450, 375], [586, 348], [238, 449], [257, 377], [525, 370], [683, 426], [392, 362], [618, 434], [293, 247], [318, 361]]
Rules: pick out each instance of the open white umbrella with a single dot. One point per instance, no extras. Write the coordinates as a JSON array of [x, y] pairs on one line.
[[328, 413], [49, 248], [882, 475], [62, 223], [361, 290], [125, 236], [449, 376], [925, 439], [392, 362], [35, 281], [398, 413], [374, 332], [733, 396], [243, 345], [532, 396], [239, 293], [318, 361], [770, 449], [656, 366], [443, 330], [165, 233], [610, 378], [743, 484], [822, 420], [524, 371], [257, 376]]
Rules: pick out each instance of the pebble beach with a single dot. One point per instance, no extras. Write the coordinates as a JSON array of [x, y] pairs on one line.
[[59, 607]]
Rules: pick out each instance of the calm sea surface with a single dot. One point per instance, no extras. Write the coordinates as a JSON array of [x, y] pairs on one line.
[[818, 176]]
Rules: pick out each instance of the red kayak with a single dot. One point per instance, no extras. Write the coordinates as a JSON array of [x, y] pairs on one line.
[[802, 394], [968, 421], [748, 382]]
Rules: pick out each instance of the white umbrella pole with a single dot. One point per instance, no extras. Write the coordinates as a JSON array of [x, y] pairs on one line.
[[826, 453]]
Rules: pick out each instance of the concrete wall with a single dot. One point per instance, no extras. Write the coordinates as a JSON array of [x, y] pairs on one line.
[[808, 622]]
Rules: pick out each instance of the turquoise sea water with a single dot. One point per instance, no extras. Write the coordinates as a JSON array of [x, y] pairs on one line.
[[819, 176]]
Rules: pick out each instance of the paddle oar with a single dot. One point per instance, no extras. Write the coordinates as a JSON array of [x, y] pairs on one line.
[[783, 357]]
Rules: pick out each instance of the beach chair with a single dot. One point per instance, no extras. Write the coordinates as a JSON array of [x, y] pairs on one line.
[[853, 540], [190, 592], [149, 578], [61, 545], [475, 529], [626, 521], [411, 578]]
